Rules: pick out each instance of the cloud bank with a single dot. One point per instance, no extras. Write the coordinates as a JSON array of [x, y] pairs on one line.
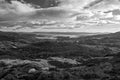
[[68, 14]]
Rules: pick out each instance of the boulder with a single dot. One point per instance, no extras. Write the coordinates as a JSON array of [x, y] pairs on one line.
[[32, 70]]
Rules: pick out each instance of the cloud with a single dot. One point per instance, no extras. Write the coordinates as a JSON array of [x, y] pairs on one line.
[[15, 7], [68, 14], [74, 4], [104, 5], [92, 4], [22, 11], [15, 11]]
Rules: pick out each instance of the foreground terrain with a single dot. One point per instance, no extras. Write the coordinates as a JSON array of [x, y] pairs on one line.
[[40, 56]]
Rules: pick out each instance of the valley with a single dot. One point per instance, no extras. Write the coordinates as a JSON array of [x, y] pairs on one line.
[[24, 56]]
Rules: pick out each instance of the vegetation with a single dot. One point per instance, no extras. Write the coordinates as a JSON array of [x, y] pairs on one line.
[[97, 57]]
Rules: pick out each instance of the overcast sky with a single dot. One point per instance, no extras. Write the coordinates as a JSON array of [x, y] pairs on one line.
[[60, 15]]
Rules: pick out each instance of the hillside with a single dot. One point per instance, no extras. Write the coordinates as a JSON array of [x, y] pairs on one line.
[[25, 57]]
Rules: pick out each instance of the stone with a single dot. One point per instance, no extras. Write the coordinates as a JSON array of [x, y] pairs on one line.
[[33, 70]]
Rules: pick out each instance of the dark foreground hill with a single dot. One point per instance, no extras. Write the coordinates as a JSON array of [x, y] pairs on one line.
[[23, 56]]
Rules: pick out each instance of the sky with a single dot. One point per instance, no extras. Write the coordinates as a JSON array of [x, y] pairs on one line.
[[60, 15]]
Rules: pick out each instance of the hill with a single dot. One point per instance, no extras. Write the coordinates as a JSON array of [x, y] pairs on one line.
[[28, 45], [24, 56]]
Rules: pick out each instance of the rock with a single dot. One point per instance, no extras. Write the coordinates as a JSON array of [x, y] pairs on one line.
[[45, 68], [2, 79], [10, 77], [33, 70]]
